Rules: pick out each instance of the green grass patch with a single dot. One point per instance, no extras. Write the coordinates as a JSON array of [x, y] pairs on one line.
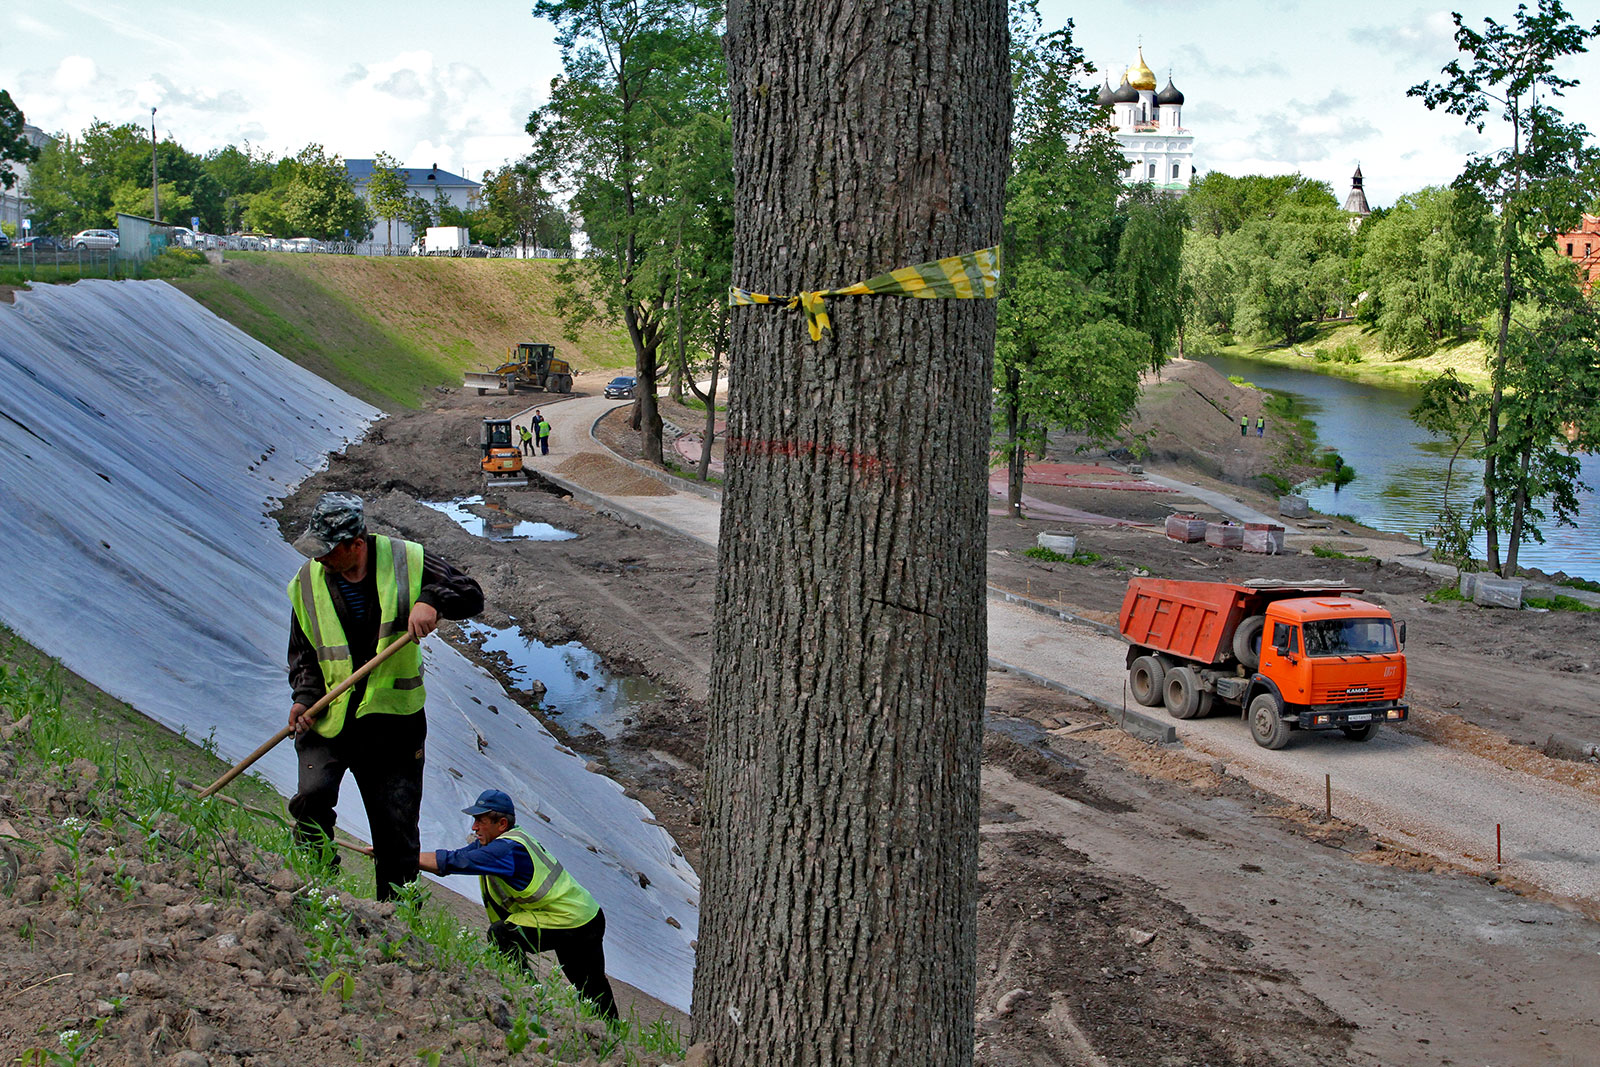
[[321, 331], [1445, 594], [1325, 552], [1581, 583], [1050, 555], [1557, 603], [137, 819], [1355, 351]]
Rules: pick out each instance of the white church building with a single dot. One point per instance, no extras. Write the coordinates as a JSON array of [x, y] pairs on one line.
[[1149, 126]]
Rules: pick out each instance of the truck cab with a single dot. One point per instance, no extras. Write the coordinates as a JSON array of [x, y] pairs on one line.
[[1329, 663]]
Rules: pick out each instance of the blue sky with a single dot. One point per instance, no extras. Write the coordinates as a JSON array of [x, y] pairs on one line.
[[1271, 87]]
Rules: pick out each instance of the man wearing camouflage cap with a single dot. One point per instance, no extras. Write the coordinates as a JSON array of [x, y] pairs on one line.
[[358, 594]]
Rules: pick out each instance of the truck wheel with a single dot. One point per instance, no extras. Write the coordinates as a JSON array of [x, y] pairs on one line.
[[1269, 730], [1247, 641], [1145, 678], [1360, 731], [1182, 693]]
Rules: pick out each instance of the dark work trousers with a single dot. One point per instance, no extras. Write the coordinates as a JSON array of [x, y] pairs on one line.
[[384, 753], [581, 952], [544, 445]]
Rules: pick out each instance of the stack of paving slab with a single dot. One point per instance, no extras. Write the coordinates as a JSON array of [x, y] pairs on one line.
[[1263, 537], [1186, 528], [1224, 535]]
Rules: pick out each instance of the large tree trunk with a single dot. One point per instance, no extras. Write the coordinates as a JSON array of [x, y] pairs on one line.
[[841, 794]]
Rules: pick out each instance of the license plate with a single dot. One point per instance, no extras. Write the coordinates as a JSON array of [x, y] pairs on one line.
[[1363, 717]]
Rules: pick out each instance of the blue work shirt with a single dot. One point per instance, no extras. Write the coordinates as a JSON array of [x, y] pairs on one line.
[[501, 858]]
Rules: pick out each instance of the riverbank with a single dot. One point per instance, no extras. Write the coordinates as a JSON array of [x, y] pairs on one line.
[[1353, 351]]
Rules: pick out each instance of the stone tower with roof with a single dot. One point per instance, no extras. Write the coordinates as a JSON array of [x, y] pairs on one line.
[[1356, 202], [1149, 127]]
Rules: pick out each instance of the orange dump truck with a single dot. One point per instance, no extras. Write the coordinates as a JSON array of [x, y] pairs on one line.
[[1290, 657]]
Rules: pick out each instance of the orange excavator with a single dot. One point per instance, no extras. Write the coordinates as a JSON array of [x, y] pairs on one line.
[[502, 458]]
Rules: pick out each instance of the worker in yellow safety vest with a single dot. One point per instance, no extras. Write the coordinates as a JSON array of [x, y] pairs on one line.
[[534, 903], [359, 593]]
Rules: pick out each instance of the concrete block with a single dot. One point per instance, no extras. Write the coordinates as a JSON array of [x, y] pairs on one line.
[[1492, 592], [1294, 507], [1469, 583], [1056, 541]]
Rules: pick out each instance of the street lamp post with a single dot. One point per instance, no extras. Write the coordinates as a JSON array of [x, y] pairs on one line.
[[155, 183]]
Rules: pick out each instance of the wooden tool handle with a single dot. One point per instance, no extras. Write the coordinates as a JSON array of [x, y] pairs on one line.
[[311, 713]]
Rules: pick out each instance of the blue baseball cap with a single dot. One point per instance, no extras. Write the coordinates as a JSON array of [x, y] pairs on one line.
[[492, 800]]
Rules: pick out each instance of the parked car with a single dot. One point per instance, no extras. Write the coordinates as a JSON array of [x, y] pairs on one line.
[[183, 237], [620, 388], [5, 242], [42, 243], [94, 239]]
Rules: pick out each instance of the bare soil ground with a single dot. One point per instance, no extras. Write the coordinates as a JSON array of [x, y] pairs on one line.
[[1138, 907]]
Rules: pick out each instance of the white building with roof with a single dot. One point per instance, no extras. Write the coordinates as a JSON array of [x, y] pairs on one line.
[[430, 183], [1149, 126]]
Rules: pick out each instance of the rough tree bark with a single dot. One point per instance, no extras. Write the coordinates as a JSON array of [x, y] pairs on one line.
[[840, 872]]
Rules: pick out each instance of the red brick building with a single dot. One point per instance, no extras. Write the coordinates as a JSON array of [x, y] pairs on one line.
[[1582, 246]]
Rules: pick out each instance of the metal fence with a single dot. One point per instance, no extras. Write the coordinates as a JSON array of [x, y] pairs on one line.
[[51, 264]]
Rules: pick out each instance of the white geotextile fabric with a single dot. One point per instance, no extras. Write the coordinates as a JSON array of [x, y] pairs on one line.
[[143, 443]]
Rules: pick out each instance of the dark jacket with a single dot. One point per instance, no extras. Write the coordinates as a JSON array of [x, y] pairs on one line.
[[453, 594]]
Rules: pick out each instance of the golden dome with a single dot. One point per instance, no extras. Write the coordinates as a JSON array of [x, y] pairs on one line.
[[1140, 76]]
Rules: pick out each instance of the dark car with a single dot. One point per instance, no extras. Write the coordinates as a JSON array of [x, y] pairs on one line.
[[620, 389], [5, 242], [42, 244]]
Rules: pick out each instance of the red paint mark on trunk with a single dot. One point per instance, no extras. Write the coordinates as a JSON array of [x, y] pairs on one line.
[[858, 462]]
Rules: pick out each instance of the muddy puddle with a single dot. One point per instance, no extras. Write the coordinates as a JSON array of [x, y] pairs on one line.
[[580, 695], [500, 525]]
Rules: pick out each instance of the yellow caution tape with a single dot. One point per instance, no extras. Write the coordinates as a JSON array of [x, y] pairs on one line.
[[973, 276]]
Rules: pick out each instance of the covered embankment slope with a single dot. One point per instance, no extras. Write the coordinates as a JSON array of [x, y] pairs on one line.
[[143, 444]]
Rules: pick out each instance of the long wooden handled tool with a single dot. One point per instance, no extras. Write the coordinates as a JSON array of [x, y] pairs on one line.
[[311, 713], [264, 813]]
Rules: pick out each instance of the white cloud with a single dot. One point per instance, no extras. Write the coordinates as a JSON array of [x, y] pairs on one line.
[[74, 73]]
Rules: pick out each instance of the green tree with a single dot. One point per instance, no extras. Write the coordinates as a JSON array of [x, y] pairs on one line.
[[1061, 193], [1291, 267], [633, 72], [1145, 280], [311, 196], [239, 173], [417, 214], [1537, 185], [14, 146], [1426, 269], [386, 193], [1451, 409], [1218, 204], [517, 206]]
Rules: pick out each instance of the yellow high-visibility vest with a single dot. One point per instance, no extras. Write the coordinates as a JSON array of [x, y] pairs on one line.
[[395, 686], [553, 899]]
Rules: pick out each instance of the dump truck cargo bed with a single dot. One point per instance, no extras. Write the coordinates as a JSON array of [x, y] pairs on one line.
[[1196, 620]]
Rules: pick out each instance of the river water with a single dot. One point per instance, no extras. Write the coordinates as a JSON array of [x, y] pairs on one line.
[[1400, 468]]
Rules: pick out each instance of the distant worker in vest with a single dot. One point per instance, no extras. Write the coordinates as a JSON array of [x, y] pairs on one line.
[[1261, 426], [543, 425], [527, 440], [534, 904], [1244, 426], [359, 593]]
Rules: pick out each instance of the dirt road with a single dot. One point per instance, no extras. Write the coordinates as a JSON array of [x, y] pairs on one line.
[[1280, 936]]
